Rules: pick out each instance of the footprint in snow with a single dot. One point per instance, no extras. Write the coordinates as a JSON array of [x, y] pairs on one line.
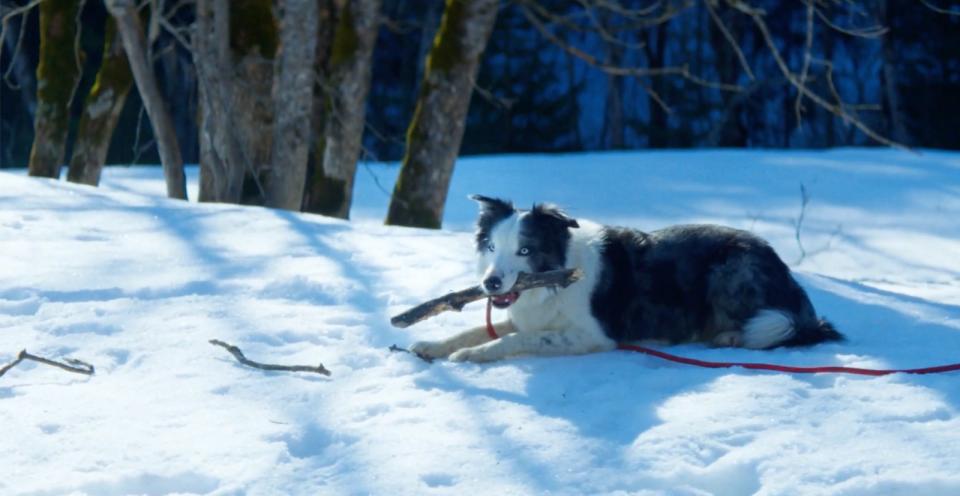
[[438, 480]]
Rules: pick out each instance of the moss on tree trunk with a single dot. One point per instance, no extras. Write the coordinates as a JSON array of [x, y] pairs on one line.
[[330, 188], [58, 74], [101, 110], [435, 133]]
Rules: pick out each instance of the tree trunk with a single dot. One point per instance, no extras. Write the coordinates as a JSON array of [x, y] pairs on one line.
[[57, 77], [331, 187], [253, 47], [658, 132], [572, 83], [222, 164], [435, 133], [613, 123], [727, 131], [101, 111], [293, 95], [891, 93], [134, 43], [613, 106], [326, 27]]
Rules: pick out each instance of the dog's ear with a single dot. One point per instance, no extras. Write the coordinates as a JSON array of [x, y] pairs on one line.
[[492, 205], [554, 213]]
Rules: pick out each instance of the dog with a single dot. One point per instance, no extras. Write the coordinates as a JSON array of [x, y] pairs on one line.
[[688, 283]]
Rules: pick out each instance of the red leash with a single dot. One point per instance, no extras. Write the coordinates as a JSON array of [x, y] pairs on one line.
[[490, 330], [835, 369]]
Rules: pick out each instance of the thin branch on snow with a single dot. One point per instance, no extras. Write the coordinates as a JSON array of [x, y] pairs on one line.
[[396, 349], [319, 368], [71, 365], [798, 225]]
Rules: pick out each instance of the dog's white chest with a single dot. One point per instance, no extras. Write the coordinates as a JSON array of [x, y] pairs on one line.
[[538, 310]]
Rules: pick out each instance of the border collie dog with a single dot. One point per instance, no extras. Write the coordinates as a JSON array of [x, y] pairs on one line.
[[696, 283]]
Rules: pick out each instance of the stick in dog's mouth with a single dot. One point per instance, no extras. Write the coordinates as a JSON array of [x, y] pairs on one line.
[[456, 300]]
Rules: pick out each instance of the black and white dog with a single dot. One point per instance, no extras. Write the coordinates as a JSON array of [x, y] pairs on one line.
[[696, 283]]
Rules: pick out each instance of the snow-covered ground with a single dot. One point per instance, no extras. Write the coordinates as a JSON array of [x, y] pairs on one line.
[[136, 284]]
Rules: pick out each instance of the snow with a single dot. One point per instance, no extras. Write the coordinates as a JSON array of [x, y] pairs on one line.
[[136, 284]]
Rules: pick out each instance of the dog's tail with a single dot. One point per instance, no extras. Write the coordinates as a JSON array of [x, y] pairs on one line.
[[771, 328], [818, 331]]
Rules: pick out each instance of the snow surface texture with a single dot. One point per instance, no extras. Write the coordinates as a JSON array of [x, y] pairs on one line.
[[136, 284]]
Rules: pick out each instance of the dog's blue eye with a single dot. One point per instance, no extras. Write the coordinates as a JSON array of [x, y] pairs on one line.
[[524, 251]]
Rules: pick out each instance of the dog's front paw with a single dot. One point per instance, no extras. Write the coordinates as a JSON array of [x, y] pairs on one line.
[[475, 355], [430, 349]]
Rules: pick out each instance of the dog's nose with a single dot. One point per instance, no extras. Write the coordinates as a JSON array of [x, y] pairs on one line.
[[492, 283]]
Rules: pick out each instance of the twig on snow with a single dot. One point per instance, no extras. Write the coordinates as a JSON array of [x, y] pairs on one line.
[[798, 225], [457, 299], [394, 348], [71, 365], [319, 369]]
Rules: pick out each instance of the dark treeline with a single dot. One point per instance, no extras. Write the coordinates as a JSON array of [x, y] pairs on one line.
[[533, 96], [278, 100]]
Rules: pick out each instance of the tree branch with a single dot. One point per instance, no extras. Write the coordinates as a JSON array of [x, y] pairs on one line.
[[838, 109], [805, 70], [616, 70], [457, 300], [729, 37], [940, 10], [71, 365], [319, 369]]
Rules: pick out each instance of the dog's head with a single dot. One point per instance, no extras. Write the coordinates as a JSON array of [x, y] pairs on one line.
[[511, 240]]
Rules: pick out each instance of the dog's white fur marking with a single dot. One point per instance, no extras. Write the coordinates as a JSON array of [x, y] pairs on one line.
[[503, 261], [767, 328]]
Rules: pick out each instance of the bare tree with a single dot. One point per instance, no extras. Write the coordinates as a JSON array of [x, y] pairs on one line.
[[134, 43], [221, 168], [101, 111], [313, 192], [293, 94], [435, 133], [57, 77], [331, 185], [233, 48]]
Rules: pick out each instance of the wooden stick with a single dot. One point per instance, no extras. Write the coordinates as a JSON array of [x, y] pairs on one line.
[[457, 300], [397, 349], [319, 369], [72, 365]]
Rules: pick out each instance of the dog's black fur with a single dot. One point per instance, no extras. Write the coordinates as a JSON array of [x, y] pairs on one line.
[[691, 283]]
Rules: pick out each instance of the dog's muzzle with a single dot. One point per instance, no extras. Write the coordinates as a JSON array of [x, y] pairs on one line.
[[502, 301]]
